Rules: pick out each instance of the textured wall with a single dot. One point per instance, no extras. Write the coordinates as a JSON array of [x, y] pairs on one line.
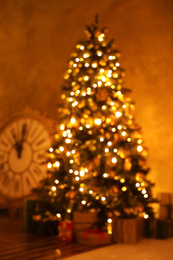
[[37, 37]]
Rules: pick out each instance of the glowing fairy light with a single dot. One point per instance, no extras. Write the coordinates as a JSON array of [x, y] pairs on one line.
[[53, 188], [139, 148], [49, 165], [124, 188], [98, 121], [105, 175], [62, 126], [114, 160], [51, 149], [118, 114], [57, 164]]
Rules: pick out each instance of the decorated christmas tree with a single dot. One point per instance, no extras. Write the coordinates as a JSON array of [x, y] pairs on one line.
[[98, 161]]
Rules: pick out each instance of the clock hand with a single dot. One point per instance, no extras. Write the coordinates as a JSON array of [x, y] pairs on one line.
[[20, 148], [16, 144], [23, 132]]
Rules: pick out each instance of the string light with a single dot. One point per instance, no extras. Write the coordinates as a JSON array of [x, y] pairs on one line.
[[51, 149]]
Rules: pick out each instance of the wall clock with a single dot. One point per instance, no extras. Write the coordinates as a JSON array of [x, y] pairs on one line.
[[23, 145]]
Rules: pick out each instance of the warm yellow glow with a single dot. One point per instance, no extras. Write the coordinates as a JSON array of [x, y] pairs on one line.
[[83, 202], [62, 126], [49, 165], [103, 107], [99, 53], [94, 65], [74, 104], [88, 126], [109, 143], [105, 175], [106, 150], [119, 127], [122, 180], [145, 196], [53, 188], [114, 160], [68, 141], [68, 210], [90, 191], [86, 55], [68, 153], [56, 181], [71, 161], [81, 47], [109, 220], [61, 148], [139, 148], [146, 215], [58, 215], [86, 64], [100, 38], [129, 139], [72, 120], [99, 83], [143, 191], [57, 164], [123, 133], [118, 114], [51, 149], [101, 139], [124, 188], [103, 198], [103, 78], [139, 141], [82, 173], [98, 121], [77, 178], [137, 184], [86, 78], [81, 189]]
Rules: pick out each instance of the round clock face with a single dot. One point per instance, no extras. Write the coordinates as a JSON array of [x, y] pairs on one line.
[[23, 145]]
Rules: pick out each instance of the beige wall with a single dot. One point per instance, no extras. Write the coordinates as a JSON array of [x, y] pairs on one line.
[[37, 37]]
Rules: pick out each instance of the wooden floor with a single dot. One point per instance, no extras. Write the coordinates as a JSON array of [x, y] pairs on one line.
[[15, 244]]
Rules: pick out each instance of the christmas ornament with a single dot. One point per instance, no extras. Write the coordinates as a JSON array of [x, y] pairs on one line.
[[101, 94], [127, 164], [70, 195]]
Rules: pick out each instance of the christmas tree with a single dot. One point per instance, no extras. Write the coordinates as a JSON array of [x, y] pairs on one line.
[[98, 161]]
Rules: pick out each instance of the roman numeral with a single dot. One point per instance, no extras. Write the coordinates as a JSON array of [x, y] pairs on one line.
[[16, 185], [37, 170], [40, 142], [1, 166], [6, 180]]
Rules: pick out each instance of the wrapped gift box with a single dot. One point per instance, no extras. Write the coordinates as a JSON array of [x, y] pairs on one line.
[[128, 231], [65, 229], [164, 228], [83, 220], [150, 228], [166, 205], [94, 238], [29, 224]]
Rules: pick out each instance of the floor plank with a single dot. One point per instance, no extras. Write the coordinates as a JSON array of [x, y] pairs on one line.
[[15, 244]]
